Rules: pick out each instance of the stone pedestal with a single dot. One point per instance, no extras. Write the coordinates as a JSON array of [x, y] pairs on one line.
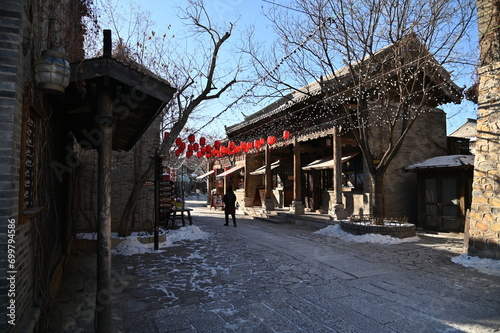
[[248, 201], [297, 208], [268, 204], [338, 212]]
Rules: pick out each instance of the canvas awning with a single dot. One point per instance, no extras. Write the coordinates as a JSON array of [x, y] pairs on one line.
[[205, 174], [262, 169], [230, 171], [326, 163]]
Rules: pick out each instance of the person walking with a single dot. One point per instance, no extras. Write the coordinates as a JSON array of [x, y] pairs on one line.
[[230, 205]]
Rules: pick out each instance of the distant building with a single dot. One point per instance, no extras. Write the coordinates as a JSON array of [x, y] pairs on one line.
[[297, 170], [467, 131]]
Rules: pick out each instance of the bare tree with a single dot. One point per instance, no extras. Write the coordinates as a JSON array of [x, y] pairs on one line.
[[193, 65], [377, 63]]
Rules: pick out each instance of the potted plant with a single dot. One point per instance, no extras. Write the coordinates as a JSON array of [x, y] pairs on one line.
[[178, 203]]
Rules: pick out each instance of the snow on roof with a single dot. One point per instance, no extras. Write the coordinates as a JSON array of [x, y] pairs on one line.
[[448, 161]]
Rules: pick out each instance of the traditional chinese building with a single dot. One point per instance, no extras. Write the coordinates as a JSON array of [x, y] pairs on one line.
[[309, 157]]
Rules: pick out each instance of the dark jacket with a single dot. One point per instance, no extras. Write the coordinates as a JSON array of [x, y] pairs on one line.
[[229, 200]]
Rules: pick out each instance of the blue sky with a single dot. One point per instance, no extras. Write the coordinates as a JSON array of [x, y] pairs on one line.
[[245, 13]]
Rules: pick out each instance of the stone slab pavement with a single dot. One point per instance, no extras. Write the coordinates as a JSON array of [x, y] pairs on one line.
[[262, 277]]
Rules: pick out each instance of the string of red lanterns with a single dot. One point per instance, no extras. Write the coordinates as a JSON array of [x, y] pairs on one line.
[[201, 149]]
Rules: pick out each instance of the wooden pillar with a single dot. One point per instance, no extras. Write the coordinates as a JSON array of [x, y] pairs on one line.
[[105, 124], [248, 197], [268, 201], [297, 207], [337, 207], [157, 179]]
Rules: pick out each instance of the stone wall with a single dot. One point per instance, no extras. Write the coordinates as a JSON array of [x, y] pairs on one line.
[[483, 231]]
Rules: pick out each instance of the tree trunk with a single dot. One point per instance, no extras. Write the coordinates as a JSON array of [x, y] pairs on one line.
[[128, 211], [377, 200]]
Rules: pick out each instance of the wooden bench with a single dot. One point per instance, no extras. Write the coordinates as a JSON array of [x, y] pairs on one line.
[[179, 212]]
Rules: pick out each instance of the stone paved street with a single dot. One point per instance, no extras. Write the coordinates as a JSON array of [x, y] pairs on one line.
[[262, 277]]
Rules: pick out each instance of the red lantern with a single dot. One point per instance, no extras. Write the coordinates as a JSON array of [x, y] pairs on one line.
[[165, 135], [177, 152], [190, 147], [196, 146], [203, 141], [178, 141], [256, 143], [182, 146], [231, 145], [208, 149], [286, 134], [191, 138], [217, 144], [262, 141], [189, 154], [249, 145], [208, 155], [243, 145], [271, 140], [199, 154]]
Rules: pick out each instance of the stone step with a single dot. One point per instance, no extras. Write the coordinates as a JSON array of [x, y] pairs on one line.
[[272, 219]]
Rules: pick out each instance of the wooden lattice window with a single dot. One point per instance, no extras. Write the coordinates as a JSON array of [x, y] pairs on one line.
[[29, 163]]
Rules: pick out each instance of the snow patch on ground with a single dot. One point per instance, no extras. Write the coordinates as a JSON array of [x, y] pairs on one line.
[[131, 245], [486, 266], [336, 231]]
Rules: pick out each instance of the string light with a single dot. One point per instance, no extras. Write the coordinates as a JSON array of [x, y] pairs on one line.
[[381, 87]]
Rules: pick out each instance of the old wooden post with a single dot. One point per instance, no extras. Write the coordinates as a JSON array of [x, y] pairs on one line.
[[297, 207], [337, 210], [268, 201], [158, 177], [105, 123]]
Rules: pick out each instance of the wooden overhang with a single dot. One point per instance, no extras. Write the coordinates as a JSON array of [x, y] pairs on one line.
[[138, 98]]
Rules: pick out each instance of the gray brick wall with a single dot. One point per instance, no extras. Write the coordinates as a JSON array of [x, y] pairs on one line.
[[426, 139], [40, 242], [125, 167], [12, 76]]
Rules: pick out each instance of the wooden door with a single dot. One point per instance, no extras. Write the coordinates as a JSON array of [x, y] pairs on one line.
[[442, 211]]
